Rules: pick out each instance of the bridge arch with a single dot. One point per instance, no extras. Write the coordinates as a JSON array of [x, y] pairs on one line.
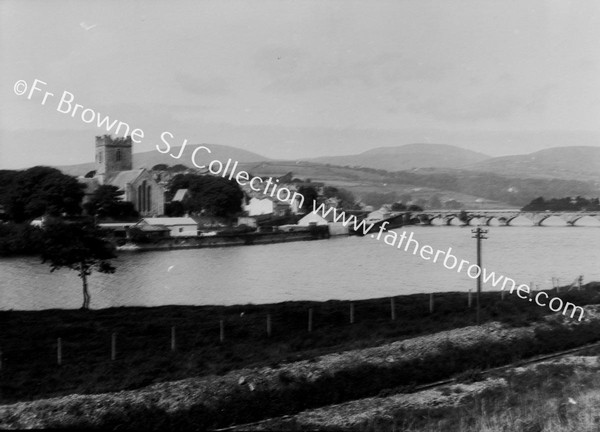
[[476, 220], [454, 220], [519, 220], [495, 221], [438, 220], [424, 219], [586, 220], [554, 219]]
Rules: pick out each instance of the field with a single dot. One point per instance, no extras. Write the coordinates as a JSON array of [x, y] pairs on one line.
[[173, 342], [236, 373]]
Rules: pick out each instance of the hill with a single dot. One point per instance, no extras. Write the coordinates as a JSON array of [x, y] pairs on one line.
[[573, 163], [150, 158], [409, 156], [488, 183], [472, 188]]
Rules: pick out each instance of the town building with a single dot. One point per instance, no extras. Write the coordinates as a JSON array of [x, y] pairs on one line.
[[378, 215], [178, 226], [315, 219], [259, 205], [114, 162]]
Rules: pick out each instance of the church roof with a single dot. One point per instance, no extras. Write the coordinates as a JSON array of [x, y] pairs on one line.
[[122, 178], [180, 195]]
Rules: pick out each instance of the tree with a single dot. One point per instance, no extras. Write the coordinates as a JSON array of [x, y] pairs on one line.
[[106, 203], [415, 208], [346, 198], [78, 246], [398, 206], [453, 205], [213, 196], [310, 195], [19, 239], [160, 167], [178, 168], [40, 191], [538, 204], [174, 209]]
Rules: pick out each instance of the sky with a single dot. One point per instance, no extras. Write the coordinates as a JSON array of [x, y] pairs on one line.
[[300, 79]]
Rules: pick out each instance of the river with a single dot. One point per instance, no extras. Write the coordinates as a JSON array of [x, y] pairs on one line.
[[339, 268]]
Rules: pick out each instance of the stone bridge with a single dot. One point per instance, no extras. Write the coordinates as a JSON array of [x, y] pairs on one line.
[[500, 217]]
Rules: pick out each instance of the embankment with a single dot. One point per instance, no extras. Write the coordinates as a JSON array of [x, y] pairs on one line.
[[251, 394], [232, 239]]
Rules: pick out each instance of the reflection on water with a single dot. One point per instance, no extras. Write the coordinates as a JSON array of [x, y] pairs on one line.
[[342, 268]]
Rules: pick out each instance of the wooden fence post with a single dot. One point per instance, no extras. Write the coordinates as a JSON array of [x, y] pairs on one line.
[[502, 294], [222, 331], [269, 325], [173, 342], [310, 319], [393, 308], [470, 302], [351, 313], [59, 351], [113, 347], [431, 303]]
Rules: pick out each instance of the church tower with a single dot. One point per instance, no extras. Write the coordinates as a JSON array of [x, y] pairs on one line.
[[113, 155]]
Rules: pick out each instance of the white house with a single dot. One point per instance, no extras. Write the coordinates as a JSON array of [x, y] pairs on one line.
[[313, 218], [257, 206], [178, 226], [377, 216], [335, 228]]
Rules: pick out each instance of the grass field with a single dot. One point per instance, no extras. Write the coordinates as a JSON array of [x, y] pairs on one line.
[[144, 352]]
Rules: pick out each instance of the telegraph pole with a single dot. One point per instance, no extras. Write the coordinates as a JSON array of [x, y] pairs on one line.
[[479, 235]]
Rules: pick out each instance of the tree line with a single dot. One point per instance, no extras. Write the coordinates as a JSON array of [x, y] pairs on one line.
[[563, 204]]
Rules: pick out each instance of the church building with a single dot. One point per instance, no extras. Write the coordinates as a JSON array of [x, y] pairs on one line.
[[114, 162]]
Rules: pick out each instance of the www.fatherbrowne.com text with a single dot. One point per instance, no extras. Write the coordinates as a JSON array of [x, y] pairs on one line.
[[426, 252]]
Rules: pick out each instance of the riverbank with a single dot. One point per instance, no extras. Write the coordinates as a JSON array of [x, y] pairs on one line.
[[229, 239], [159, 344]]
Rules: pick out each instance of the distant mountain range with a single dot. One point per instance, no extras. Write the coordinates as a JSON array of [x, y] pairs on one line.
[[573, 163], [568, 163], [409, 156], [421, 170]]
